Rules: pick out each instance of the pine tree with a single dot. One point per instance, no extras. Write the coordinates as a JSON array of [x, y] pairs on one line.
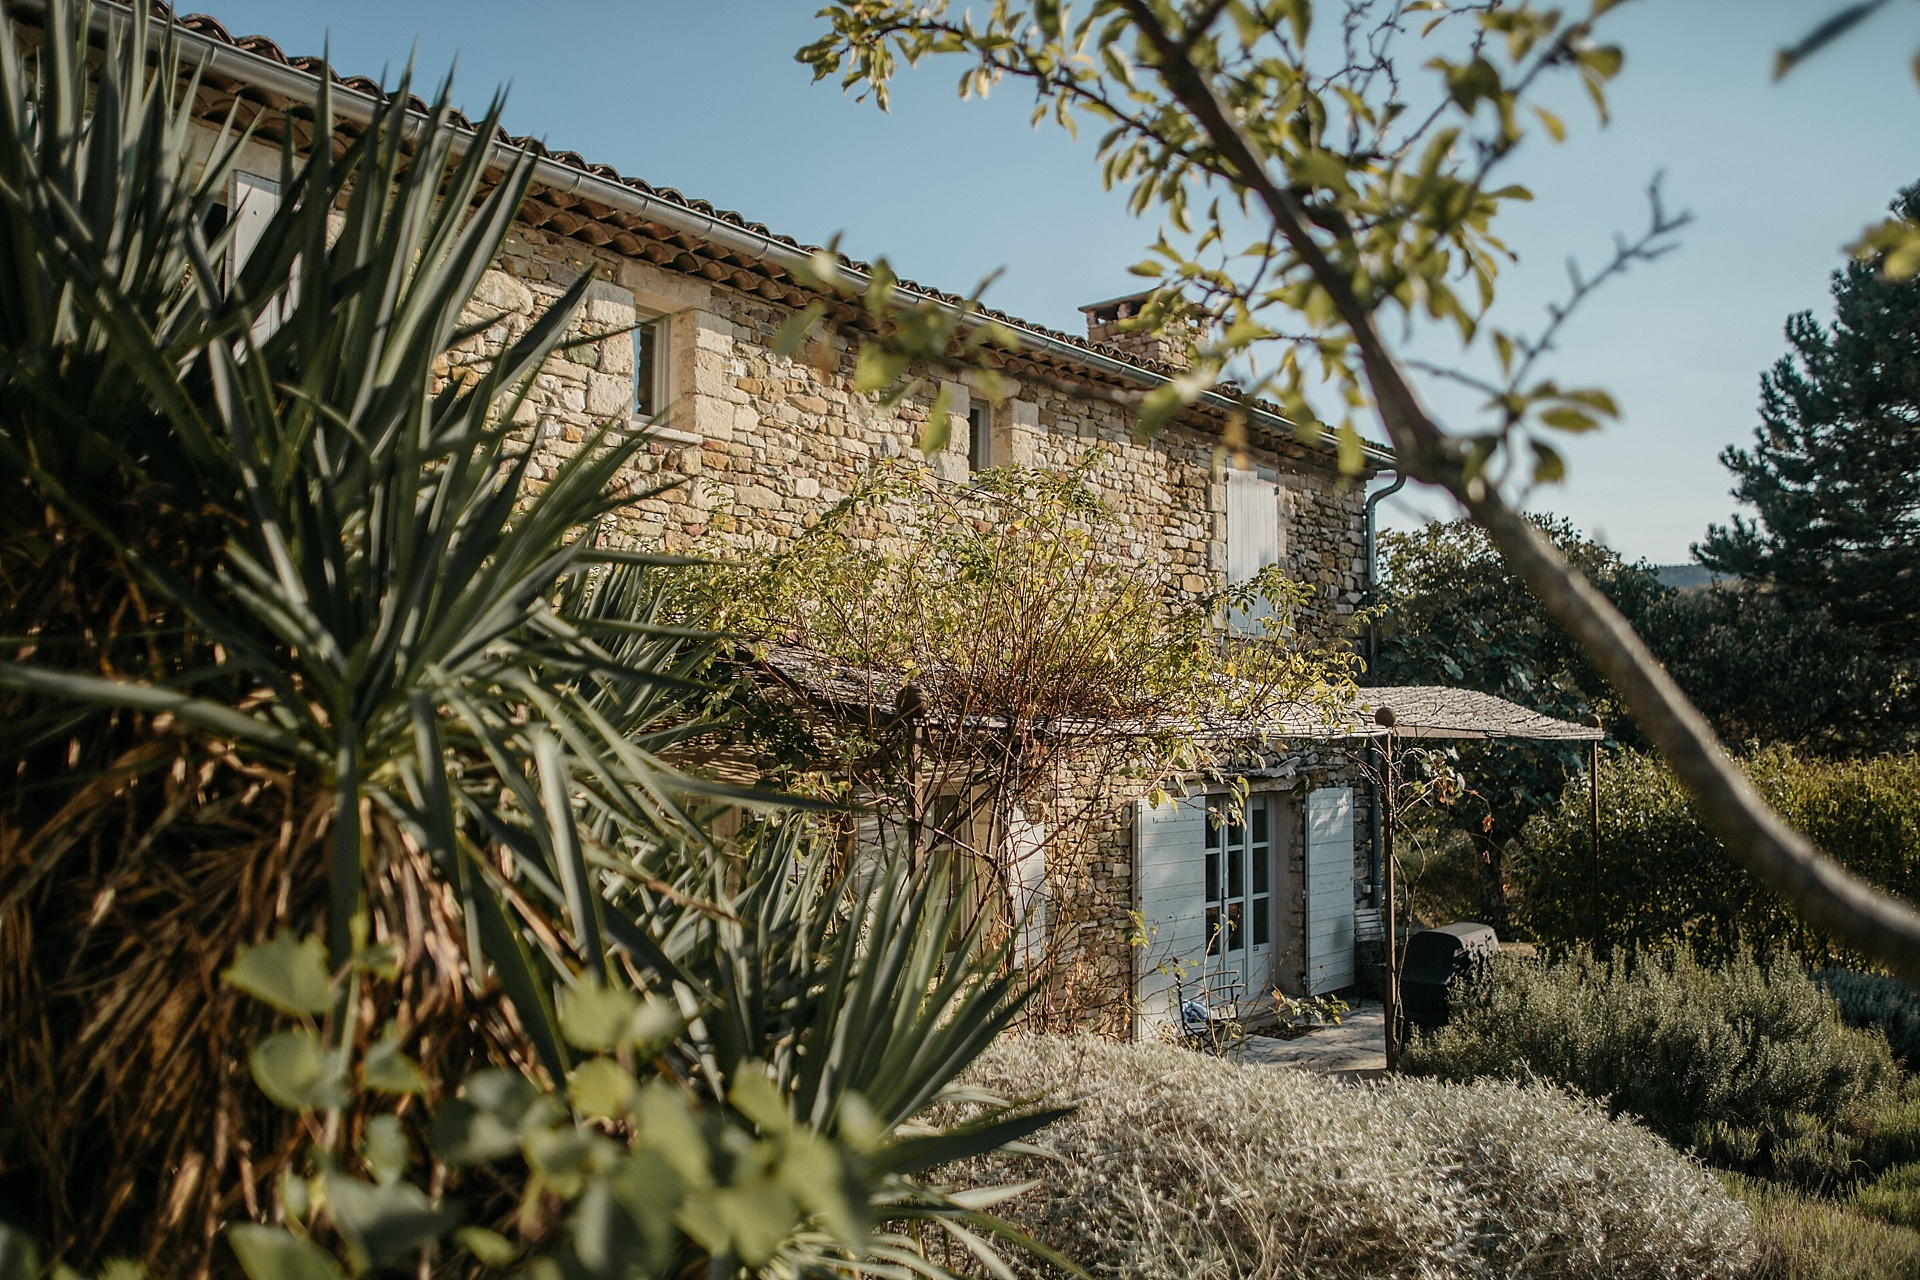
[[1834, 474]]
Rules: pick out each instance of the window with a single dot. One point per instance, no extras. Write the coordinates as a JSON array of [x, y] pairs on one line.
[[650, 367], [980, 436], [1238, 877]]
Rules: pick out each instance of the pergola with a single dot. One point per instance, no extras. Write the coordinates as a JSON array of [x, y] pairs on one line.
[[1382, 716], [1388, 714]]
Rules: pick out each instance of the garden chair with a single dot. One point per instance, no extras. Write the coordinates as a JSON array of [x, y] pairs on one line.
[[1211, 1015]]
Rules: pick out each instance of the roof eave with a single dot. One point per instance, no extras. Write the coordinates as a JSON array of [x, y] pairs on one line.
[[296, 84]]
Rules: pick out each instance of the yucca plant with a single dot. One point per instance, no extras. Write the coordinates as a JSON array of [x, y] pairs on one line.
[[293, 651]]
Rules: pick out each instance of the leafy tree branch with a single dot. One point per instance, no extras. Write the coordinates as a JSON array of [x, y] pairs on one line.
[[1367, 235]]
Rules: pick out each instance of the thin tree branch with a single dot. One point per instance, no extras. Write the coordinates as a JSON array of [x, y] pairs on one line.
[[1833, 899]]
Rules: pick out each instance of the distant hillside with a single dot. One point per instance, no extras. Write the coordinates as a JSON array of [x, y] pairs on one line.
[[1685, 577]]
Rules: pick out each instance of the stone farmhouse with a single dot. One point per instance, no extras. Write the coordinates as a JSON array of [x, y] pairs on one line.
[[766, 443]]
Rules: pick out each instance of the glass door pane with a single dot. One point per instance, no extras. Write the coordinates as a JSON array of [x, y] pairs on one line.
[[1227, 875], [1215, 835], [1260, 859]]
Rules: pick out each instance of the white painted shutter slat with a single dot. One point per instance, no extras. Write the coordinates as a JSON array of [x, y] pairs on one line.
[[1329, 889], [255, 201], [1170, 843], [1253, 533], [1253, 524]]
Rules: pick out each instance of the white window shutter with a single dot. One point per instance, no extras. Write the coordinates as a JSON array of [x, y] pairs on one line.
[[1169, 841], [255, 201], [1253, 535], [1027, 878], [1329, 889]]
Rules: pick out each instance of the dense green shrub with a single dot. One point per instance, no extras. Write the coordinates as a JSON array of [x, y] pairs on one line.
[[1805, 1237], [1665, 879], [1748, 1064], [1893, 1197], [1874, 1000], [1180, 1166]]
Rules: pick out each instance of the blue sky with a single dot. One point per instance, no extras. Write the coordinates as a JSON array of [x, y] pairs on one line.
[[703, 95]]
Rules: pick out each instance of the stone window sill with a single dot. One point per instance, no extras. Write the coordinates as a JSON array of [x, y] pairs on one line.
[[666, 435]]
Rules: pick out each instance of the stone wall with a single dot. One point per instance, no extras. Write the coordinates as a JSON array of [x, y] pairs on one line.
[[761, 444], [755, 446]]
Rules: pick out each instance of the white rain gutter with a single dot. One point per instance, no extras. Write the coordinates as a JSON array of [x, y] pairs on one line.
[[362, 108]]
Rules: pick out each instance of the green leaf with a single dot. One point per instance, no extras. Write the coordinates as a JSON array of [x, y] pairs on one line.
[[101, 691], [754, 1096], [385, 1223], [596, 1018], [939, 429], [1352, 450], [666, 1126], [813, 1173], [602, 1089], [749, 1219], [655, 1022], [1548, 466], [1603, 60], [1320, 169], [562, 1156], [1158, 409], [19, 1256], [385, 1150], [288, 973], [1568, 418], [381, 959], [648, 1189], [389, 1070], [787, 339], [937, 436], [1830, 29], [489, 1247], [485, 1122], [296, 1071], [270, 1253], [878, 369]]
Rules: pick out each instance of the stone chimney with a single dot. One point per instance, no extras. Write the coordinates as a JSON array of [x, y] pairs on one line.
[[1171, 346]]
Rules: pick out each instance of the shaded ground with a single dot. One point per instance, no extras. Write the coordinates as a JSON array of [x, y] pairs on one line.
[[1354, 1050]]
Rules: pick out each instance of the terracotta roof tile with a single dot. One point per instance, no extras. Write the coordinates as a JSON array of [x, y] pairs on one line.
[[263, 46]]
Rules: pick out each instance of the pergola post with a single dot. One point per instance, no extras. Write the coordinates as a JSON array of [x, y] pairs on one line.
[[1384, 717], [1593, 832]]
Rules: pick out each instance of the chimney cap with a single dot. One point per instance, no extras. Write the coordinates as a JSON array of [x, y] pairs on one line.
[[1116, 304]]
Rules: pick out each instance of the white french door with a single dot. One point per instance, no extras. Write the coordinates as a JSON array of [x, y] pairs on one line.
[[1239, 882]]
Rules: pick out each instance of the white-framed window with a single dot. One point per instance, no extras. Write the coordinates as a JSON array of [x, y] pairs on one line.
[[980, 436], [1237, 882], [649, 366]]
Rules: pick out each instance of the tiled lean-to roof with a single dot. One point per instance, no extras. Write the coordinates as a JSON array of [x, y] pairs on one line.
[[598, 205]]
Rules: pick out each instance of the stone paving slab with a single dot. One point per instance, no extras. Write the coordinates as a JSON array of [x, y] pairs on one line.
[[1354, 1050]]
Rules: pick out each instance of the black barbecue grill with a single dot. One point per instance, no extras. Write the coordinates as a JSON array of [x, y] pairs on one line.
[[1455, 954]]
